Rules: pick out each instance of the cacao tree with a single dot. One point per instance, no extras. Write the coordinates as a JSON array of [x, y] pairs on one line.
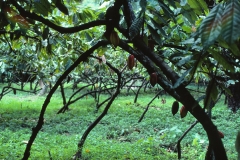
[[174, 43]]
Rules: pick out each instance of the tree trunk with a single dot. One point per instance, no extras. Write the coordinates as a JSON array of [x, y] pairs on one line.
[[180, 93], [233, 100], [44, 88]]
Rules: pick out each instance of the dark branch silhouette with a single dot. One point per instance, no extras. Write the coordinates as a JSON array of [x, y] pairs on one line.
[[40, 123]]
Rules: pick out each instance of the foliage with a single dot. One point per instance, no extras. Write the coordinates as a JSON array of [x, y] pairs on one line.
[[179, 41]]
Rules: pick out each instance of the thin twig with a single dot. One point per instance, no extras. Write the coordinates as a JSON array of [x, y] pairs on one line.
[[180, 139], [146, 109]]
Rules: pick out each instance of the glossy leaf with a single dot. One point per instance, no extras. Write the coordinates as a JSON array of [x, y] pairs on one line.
[[222, 60], [181, 79], [155, 34], [211, 93], [210, 28], [189, 13], [134, 29], [167, 11], [231, 21]]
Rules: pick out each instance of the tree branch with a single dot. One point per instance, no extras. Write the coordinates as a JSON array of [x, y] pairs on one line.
[[147, 57], [50, 24], [78, 155], [40, 123]]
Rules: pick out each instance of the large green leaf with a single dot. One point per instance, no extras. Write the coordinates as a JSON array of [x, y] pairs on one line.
[[203, 4], [231, 21], [232, 47], [211, 93], [167, 11], [194, 4], [210, 27], [222, 60], [42, 7], [134, 29], [155, 34], [181, 79], [214, 92], [189, 13]]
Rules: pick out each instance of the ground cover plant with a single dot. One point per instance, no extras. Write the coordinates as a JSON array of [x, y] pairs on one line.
[[117, 136]]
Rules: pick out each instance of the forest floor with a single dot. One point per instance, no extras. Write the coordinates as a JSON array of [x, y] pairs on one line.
[[117, 136]]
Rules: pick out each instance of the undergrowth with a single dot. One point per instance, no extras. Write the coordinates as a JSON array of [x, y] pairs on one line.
[[117, 136]]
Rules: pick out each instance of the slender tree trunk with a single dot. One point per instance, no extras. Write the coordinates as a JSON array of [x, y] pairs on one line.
[[44, 88]]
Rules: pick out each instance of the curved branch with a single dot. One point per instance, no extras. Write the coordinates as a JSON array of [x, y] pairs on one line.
[[40, 123], [148, 105], [180, 93], [181, 138], [50, 24], [78, 155]]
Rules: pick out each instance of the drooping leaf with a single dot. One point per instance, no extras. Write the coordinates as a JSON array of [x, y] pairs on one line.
[[181, 79], [155, 34], [203, 4], [210, 27], [135, 28], [222, 60], [214, 92], [207, 99], [195, 5], [14, 17], [235, 49], [42, 7], [189, 13], [159, 17], [211, 93], [167, 11], [227, 90], [231, 21]]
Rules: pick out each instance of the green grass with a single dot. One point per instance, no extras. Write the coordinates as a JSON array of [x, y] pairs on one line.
[[117, 136]]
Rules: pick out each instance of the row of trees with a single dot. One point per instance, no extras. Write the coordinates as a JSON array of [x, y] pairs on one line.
[[179, 42]]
